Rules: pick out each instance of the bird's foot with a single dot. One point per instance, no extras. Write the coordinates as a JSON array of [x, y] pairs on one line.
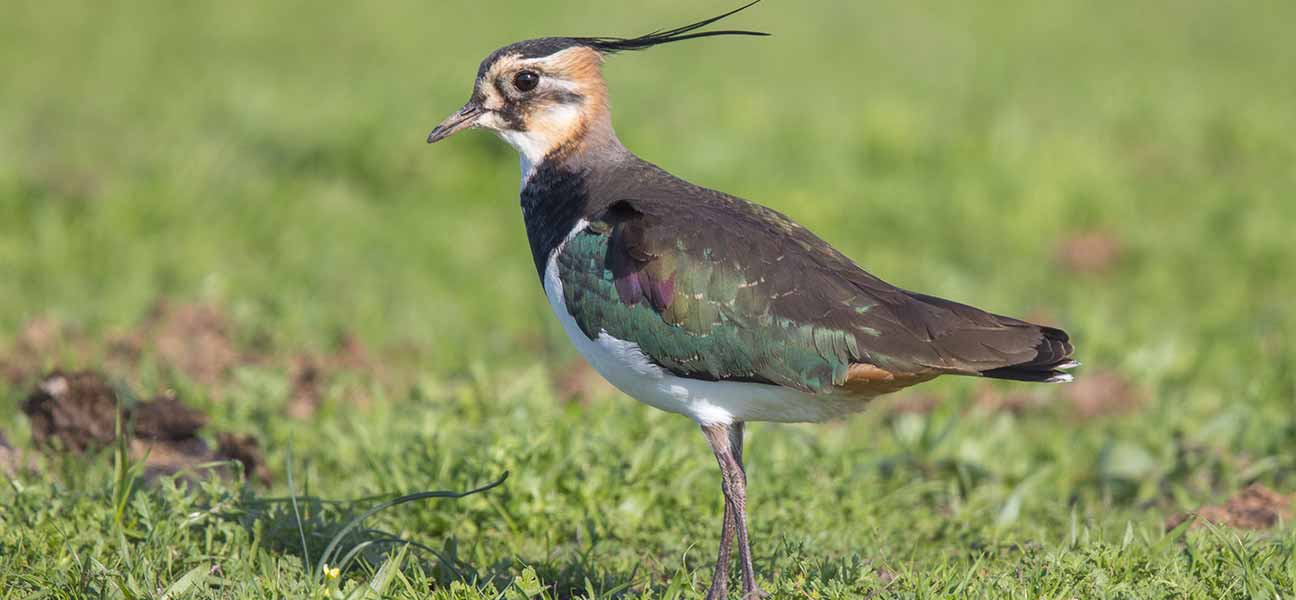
[[718, 591]]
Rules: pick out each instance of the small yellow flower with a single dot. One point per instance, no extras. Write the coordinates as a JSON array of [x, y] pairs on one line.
[[332, 573]]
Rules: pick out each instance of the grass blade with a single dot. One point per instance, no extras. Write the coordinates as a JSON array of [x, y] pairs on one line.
[[332, 548]]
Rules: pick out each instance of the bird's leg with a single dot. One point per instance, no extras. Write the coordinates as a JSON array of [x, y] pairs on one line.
[[720, 577], [750, 589], [733, 481]]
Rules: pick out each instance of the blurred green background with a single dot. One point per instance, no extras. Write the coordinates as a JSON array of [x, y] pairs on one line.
[[1121, 169]]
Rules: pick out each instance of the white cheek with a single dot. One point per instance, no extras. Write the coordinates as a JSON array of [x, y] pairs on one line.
[[490, 120], [547, 130]]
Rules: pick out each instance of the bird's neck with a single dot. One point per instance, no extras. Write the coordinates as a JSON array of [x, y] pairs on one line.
[[566, 133], [563, 186]]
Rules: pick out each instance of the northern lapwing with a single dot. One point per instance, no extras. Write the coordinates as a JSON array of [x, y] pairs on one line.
[[703, 304]]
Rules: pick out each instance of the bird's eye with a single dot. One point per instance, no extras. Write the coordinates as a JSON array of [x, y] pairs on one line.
[[526, 81]]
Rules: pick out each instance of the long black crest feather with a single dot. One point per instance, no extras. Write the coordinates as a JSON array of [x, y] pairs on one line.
[[611, 44]]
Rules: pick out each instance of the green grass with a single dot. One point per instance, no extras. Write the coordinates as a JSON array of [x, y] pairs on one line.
[[268, 158]]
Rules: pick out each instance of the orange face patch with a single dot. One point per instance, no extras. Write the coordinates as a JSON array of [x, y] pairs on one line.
[[569, 101]]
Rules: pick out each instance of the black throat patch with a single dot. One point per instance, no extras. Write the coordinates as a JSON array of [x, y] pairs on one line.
[[554, 200]]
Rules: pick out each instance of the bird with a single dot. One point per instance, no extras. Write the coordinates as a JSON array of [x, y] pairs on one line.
[[700, 303]]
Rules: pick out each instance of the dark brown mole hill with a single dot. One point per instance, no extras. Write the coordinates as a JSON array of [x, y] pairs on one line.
[[77, 412]]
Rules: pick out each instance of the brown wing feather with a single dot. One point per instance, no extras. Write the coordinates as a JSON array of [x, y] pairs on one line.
[[666, 230]]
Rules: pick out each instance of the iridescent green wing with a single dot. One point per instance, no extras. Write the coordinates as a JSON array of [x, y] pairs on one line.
[[728, 290]]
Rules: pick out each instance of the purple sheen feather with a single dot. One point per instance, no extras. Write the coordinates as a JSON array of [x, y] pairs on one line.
[[628, 288], [661, 292]]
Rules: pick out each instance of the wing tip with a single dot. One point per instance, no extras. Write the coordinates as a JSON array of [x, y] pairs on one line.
[[1054, 372]]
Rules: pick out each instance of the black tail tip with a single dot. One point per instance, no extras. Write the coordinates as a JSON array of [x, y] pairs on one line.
[[1051, 362], [1056, 373]]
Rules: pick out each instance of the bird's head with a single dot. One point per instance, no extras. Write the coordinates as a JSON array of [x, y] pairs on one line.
[[547, 94]]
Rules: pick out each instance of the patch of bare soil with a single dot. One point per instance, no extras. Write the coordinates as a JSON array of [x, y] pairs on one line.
[[1090, 252], [1256, 507], [41, 336], [307, 387], [73, 412], [163, 458], [1102, 393], [38, 339], [191, 338], [311, 375], [166, 418], [247, 450], [194, 339], [77, 412]]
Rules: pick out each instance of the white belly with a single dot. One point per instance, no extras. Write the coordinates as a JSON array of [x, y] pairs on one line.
[[624, 365]]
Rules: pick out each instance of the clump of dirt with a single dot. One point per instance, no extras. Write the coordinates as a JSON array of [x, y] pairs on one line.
[[77, 412], [168, 457], [42, 335], [195, 340], [38, 339], [247, 450], [166, 418], [307, 388], [311, 375], [1102, 393], [192, 338], [1256, 507], [163, 458], [1090, 252]]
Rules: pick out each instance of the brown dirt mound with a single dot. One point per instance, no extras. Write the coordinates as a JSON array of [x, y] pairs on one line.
[[247, 450], [192, 338], [311, 375], [77, 412], [37, 341], [307, 387], [1256, 507], [167, 418]]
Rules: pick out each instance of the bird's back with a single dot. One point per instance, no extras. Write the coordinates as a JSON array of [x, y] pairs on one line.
[[711, 287]]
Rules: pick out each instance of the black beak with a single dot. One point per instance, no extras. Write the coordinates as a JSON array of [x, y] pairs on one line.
[[464, 119]]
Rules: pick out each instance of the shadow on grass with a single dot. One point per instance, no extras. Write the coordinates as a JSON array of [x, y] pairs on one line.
[[331, 535]]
